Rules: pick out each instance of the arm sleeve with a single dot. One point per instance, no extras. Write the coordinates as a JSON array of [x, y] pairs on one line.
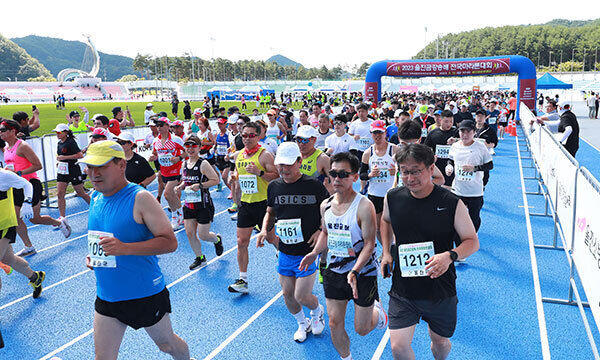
[[566, 134], [12, 180], [485, 167], [364, 171]]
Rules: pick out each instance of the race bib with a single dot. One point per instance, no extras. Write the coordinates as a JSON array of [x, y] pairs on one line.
[[221, 150], [339, 243], [249, 184], [412, 258], [383, 176], [289, 231], [363, 143], [424, 132], [492, 120], [442, 151], [191, 196], [463, 175], [165, 160], [62, 168], [97, 256]]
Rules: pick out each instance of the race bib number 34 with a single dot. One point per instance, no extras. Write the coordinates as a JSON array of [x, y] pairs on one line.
[[412, 258], [98, 257], [289, 231], [339, 243]]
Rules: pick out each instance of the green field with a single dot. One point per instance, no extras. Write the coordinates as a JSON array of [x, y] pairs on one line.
[[49, 116]]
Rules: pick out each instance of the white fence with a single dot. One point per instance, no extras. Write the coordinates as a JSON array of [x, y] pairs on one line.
[[573, 194]]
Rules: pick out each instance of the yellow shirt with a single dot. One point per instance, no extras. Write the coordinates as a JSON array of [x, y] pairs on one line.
[[253, 187], [309, 165], [8, 217]]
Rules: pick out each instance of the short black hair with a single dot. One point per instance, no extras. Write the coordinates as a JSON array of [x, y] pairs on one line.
[[103, 119], [447, 113], [552, 102], [362, 106], [340, 117], [253, 125], [244, 118], [409, 130], [404, 113], [303, 111], [346, 157], [480, 112], [232, 110], [417, 152], [20, 116]]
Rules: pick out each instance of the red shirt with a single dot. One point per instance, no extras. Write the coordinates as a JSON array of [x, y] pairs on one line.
[[114, 126], [172, 147]]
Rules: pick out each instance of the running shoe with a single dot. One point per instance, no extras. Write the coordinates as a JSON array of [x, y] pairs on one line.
[[234, 217], [7, 268], [220, 187], [64, 227], [303, 330], [239, 286], [230, 196], [219, 246], [318, 321], [256, 228], [198, 262], [233, 208], [383, 318], [37, 284], [26, 251]]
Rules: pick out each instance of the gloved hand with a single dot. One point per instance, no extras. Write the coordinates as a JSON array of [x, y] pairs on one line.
[[26, 211]]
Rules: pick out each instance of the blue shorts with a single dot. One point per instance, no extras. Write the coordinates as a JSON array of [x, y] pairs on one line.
[[288, 266]]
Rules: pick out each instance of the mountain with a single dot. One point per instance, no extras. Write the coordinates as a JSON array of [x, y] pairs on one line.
[[283, 61], [15, 62], [571, 23], [57, 54]]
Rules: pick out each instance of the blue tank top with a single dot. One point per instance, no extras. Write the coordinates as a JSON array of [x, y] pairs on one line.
[[134, 276], [222, 144]]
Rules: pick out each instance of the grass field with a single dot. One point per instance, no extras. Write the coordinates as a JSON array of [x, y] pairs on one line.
[[49, 116]]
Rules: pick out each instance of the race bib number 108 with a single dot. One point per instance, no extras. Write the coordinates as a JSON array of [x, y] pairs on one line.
[[98, 257]]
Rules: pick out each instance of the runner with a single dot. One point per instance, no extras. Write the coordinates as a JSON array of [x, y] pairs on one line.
[[126, 230], [20, 158], [275, 129], [198, 211], [67, 169], [360, 129], [348, 231], [9, 182], [238, 144], [148, 141], [269, 144], [340, 141], [254, 169], [138, 170], [440, 140], [168, 150], [222, 145], [177, 127], [425, 289], [323, 131], [293, 203]]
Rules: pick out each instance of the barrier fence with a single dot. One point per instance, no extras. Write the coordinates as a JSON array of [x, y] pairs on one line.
[[572, 195]]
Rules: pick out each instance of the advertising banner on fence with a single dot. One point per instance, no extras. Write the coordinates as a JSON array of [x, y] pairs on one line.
[[546, 161], [449, 68], [566, 173], [586, 250]]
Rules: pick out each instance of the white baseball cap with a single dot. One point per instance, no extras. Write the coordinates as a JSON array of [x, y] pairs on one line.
[[233, 119], [198, 111], [149, 105], [564, 103], [61, 127], [127, 136], [287, 153], [306, 132]]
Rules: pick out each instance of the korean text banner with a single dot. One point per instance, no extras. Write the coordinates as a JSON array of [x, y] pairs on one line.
[[449, 68]]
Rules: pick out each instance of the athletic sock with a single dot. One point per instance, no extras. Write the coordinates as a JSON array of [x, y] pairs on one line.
[[244, 276], [316, 312], [349, 357], [300, 318]]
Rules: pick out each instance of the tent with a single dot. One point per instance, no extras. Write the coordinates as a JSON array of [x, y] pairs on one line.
[[548, 81]]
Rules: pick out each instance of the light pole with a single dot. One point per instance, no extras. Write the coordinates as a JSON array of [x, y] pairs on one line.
[[572, 59], [583, 67], [561, 57], [550, 58]]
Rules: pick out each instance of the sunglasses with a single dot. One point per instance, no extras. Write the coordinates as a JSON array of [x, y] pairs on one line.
[[302, 140], [246, 136], [122, 142], [3, 129], [190, 145], [341, 174]]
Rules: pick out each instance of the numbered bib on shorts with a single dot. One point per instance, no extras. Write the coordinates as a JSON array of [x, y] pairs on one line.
[[97, 256], [442, 151], [339, 243], [289, 231], [221, 150], [492, 120], [463, 175], [249, 184], [424, 132], [165, 160], [363, 143], [191, 196], [412, 258], [62, 168], [383, 176]]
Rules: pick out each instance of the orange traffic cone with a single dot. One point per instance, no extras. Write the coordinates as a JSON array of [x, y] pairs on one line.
[[512, 129]]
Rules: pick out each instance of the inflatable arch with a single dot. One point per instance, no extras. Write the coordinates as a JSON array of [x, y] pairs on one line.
[[526, 88]]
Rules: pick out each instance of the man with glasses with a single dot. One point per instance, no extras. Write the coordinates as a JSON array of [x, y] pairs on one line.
[[315, 163], [421, 261], [440, 139], [168, 150], [340, 141], [254, 169], [237, 145], [348, 232]]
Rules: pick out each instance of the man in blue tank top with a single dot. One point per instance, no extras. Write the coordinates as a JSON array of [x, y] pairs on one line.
[[126, 230]]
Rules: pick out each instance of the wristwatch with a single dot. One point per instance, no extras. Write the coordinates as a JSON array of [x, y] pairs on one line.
[[262, 172], [354, 272], [453, 255]]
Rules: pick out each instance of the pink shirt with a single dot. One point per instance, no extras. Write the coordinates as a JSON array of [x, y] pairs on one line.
[[20, 163]]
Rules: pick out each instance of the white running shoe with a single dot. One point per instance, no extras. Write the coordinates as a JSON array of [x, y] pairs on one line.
[[383, 318], [317, 322], [303, 330], [26, 251], [64, 227]]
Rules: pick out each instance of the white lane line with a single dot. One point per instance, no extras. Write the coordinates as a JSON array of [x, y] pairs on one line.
[[382, 344], [534, 268], [90, 331], [239, 330]]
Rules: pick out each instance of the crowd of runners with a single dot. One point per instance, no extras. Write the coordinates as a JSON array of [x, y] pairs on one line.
[[416, 161]]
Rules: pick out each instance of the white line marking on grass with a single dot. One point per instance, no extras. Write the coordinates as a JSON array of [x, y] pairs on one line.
[[239, 330], [382, 344], [534, 268]]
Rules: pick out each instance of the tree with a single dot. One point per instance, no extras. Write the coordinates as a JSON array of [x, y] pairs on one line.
[[130, 77]]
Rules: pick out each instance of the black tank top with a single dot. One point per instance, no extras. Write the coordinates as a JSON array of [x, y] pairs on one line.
[[430, 219], [194, 176]]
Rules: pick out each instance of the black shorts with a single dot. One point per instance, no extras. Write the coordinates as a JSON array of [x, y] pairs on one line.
[[137, 313], [221, 163], [75, 177], [439, 314], [336, 287], [166, 179], [19, 195], [378, 202], [10, 234], [250, 214], [203, 215], [503, 123]]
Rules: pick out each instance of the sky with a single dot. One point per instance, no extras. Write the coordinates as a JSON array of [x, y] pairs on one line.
[[313, 33]]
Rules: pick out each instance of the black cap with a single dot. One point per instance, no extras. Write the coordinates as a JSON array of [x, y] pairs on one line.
[[73, 113], [467, 124], [480, 112], [162, 114], [116, 110]]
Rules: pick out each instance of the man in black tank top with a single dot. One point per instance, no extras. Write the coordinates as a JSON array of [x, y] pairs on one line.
[[421, 262]]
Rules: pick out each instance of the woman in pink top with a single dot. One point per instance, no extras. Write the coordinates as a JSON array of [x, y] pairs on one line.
[[21, 159], [512, 107]]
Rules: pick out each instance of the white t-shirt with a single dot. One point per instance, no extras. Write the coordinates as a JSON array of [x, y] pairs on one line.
[[339, 143], [320, 143], [468, 183], [269, 144], [362, 129], [147, 114]]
